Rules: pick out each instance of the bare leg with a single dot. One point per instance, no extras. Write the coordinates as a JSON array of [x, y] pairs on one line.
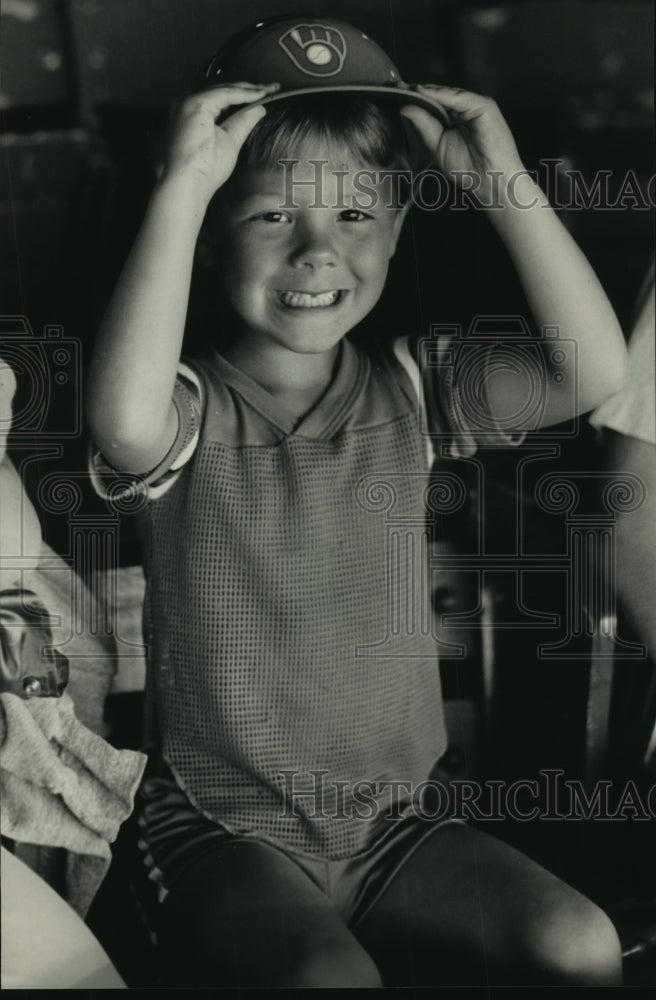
[[468, 909], [246, 915], [45, 944]]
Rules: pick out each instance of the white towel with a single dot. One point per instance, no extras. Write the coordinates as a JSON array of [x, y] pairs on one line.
[[63, 786]]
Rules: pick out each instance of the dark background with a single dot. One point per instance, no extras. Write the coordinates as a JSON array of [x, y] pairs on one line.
[[85, 93]]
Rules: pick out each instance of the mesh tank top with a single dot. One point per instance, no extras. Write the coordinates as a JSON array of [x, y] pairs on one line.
[[294, 674]]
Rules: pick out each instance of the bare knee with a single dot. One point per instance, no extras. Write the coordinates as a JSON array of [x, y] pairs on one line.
[[571, 941], [335, 965]]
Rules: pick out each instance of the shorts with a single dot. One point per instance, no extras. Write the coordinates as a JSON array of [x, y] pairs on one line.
[[174, 836]]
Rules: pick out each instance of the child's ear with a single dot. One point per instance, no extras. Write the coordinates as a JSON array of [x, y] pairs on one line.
[[397, 226]]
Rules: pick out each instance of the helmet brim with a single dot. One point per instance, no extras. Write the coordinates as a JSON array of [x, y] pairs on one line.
[[397, 94]]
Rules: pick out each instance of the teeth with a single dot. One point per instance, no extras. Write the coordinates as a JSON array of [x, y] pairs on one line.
[[306, 300]]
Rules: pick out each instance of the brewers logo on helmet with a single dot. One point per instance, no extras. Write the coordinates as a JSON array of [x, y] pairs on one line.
[[315, 49]]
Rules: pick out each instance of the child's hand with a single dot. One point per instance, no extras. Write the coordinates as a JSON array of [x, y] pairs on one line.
[[478, 141], [203, 151]]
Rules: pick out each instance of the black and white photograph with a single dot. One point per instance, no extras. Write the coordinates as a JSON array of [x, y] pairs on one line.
[[328, 495]]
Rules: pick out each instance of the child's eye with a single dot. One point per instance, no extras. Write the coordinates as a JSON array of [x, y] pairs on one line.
[[272, 217], [353, 215]]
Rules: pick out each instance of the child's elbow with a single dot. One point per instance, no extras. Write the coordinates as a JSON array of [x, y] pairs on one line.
[[129, 443], [117, 440], [115, 424]]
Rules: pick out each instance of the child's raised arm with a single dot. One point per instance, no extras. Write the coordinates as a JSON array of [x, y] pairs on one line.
[[133, 369], [558, 281]]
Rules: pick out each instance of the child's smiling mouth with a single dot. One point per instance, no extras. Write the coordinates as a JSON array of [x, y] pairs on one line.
[[309, 300]]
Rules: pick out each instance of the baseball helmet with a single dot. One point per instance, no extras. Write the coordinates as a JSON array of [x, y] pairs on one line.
[[306, 54]]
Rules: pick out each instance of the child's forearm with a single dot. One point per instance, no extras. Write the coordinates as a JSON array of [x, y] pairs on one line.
[[564, 292], [134, 364]]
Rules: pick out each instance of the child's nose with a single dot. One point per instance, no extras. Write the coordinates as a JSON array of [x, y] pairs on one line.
[[314, 249]]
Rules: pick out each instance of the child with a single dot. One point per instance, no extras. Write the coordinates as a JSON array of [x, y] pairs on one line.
[[278, 819]]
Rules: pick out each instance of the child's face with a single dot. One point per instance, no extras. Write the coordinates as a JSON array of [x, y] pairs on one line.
[[303, 263]]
